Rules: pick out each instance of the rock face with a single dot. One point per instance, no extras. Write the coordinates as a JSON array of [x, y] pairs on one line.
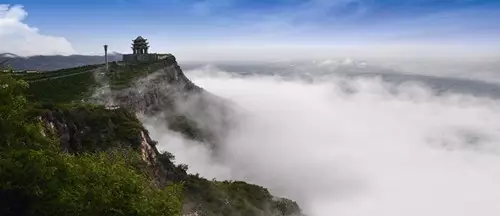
[[88, 128], [165, 92]]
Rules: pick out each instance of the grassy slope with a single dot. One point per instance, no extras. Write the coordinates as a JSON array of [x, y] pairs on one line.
[[122, 76], [77, 84], [210, 196], [56, 73], [49, 88]]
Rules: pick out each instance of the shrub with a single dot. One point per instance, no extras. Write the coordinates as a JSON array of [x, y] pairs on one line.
[[43, 182]]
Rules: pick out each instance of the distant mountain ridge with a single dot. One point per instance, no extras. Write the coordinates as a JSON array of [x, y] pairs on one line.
[[54, 62]]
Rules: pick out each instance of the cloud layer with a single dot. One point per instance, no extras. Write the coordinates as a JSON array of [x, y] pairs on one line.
[[24, 40], [375, 150]]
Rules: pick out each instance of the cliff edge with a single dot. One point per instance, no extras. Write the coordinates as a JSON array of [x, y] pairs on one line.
[[102, 118], [161, 90]]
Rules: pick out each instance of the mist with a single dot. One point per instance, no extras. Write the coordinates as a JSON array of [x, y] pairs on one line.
[[349, 146]]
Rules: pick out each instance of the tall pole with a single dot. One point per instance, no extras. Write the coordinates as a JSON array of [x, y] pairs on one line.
[[106, 57]]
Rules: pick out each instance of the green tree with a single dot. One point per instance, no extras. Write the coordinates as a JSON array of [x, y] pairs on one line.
[[42, 182], [16, 129], [36, 178]]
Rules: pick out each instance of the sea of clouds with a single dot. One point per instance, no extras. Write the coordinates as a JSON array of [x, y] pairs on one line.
[[354, 146]]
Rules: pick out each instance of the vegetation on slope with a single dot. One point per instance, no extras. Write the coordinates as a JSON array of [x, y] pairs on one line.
[[67, 89], [99, 129], [58, 73], [102, 145], [65, 85], [36, 178], [93, 128], [45, 182], [122, 76], [78, 83], [227, 198]]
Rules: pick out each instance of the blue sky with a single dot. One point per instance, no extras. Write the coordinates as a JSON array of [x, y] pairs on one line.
[[185, 25]]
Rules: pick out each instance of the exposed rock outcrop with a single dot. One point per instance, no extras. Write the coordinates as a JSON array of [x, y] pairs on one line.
[[88, 128], [165, 92]]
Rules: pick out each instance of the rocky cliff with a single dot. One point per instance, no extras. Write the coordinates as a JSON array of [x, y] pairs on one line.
[[162, 90]]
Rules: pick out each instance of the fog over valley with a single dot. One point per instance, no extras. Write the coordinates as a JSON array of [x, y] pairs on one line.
[[342, 142]]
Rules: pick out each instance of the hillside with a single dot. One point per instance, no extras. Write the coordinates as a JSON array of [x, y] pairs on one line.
[[73, 107], [150, 89]]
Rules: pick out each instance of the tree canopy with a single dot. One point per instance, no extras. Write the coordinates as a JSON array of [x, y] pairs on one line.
[[36, 178]]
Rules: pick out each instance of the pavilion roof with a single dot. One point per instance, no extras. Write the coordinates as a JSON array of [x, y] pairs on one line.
[[139, 39]]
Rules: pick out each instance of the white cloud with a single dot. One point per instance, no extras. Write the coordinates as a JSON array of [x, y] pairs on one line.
[[22, 39], [371, 152]]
